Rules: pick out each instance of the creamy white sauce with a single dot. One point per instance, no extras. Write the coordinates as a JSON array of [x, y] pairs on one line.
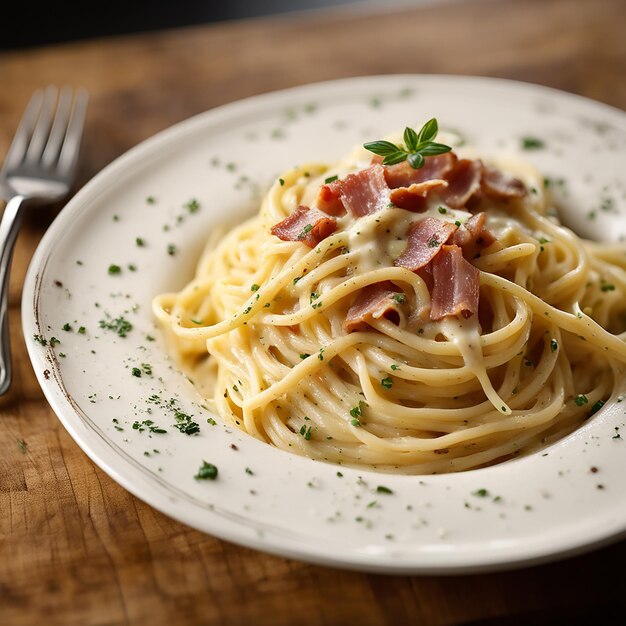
[[465, 334]]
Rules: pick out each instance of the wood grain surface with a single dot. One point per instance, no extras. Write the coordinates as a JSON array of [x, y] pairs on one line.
[[76, 548]]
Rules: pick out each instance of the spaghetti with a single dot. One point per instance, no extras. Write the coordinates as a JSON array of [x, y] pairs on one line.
[[331, 326]]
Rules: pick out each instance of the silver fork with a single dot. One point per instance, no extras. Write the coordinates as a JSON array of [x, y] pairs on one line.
[[39, 168]]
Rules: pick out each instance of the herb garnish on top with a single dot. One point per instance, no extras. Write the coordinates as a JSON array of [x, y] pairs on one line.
[[416, 146]]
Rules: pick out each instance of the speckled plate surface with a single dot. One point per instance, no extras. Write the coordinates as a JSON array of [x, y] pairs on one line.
[[149, 213]]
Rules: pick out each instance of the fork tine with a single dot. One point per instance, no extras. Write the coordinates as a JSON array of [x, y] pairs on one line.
[[42, 127], [17, 149], [71, 145], [59, 127]]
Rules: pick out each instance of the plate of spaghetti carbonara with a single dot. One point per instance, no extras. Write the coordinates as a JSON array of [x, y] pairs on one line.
[[377, 323]]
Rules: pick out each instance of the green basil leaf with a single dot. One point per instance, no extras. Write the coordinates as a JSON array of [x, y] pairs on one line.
[[396, 157], [428, 132], [382, 148], [416, 160], [431, 148], [410, 139]]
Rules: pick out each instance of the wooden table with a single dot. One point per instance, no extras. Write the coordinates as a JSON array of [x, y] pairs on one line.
[[76, 548]]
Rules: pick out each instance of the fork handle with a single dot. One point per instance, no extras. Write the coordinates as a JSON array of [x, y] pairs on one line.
[[9, 227]]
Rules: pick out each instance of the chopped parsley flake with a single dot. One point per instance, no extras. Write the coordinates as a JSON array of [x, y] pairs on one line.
[[330, 179], [114, 269], [254, 287], [554, 345], [304, 356], [136, 372], [532, 143], [355, 421], [185, 423], [442, 210], [356, 411], [433, 242], [171, 249], [281, 181], [120, 325], [400, 298], [607, 287], [581, 399], [596, 407], [192, 205], [480, 493], [306, 432], [54, 341], [67, 327], [383, 489], [386, 382], [149, 425], [140, 242], [207, 471], [305, 231]]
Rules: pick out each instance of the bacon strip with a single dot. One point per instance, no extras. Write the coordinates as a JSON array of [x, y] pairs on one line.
[[329, 199], [424, 240], [413, 198], [307, 225], [435, 167], [362, 193], [373, 302], [463, 183], [456, 285], [472, 237], [500, 186]]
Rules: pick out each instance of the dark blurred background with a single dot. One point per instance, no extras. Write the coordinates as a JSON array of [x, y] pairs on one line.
[[37, 22]]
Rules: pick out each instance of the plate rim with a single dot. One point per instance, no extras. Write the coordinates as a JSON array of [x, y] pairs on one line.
[[60, 404]]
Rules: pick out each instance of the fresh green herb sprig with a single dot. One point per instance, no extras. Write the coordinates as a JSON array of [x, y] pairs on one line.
[[417, 145]]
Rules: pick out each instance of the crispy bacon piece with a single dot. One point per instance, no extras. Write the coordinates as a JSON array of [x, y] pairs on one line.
[[362, 193], [373, 302], [463, 183], [424, 240], [307, 225], [329, 199], [472, 237], [456, 285], [501, 186], [413, 198], [435, 167]]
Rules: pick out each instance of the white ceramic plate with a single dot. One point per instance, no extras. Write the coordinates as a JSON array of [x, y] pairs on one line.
[[557, 502]]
